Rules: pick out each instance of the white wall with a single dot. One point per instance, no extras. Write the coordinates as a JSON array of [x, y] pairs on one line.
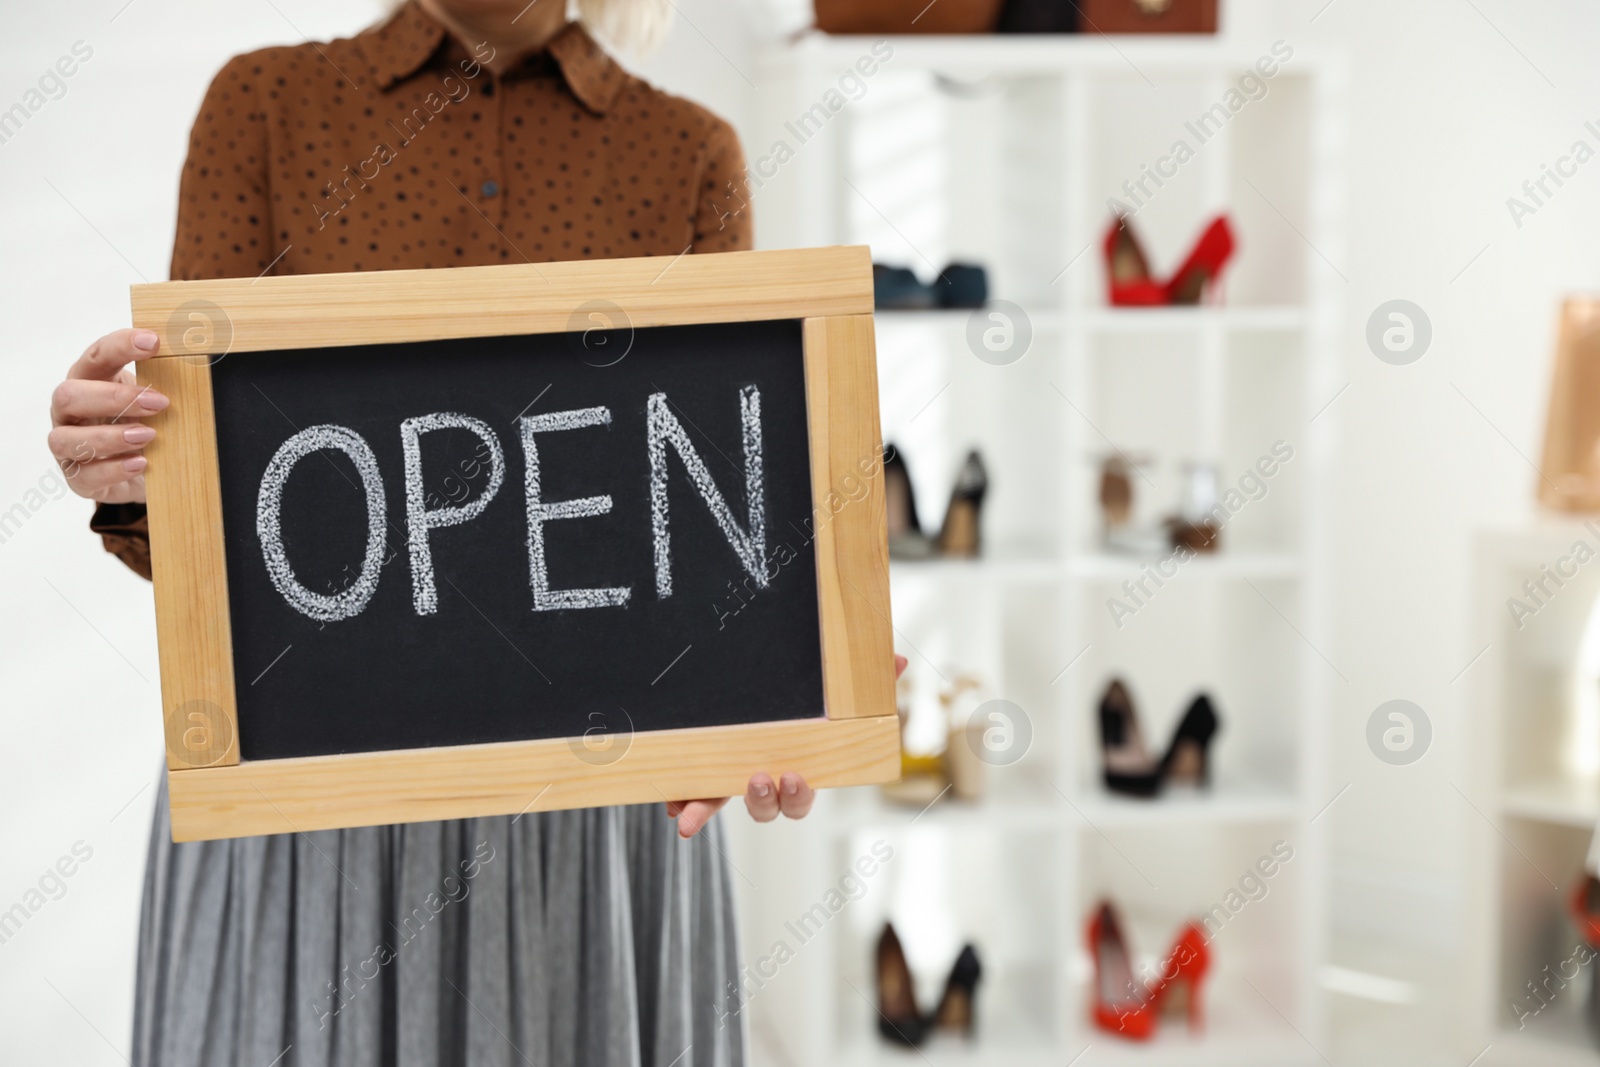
[[1454, 105], [89, 194]]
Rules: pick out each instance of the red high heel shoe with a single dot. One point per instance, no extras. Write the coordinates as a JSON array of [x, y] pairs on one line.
[[1121, 1005], [1128, 278], [1181, 975], [1204, 265], [1130, 1008]]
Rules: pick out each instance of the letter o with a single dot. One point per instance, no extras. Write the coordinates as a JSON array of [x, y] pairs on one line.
[[269, 502]]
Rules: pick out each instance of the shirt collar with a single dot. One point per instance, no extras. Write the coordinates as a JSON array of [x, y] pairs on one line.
[[403, 45], [592, 75]]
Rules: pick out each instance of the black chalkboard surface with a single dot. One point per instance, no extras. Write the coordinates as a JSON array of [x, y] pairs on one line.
[[667, 600]]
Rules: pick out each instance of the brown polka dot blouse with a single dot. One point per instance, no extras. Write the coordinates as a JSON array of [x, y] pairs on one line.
[[397, 148]]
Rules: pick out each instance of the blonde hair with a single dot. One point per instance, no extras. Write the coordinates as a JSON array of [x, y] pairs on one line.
[[635, 26]]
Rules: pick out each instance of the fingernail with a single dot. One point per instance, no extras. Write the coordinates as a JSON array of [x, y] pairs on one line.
[[790, 786], [145, 340], [152, 401], [138, 435], [763, 790], [134, 464]]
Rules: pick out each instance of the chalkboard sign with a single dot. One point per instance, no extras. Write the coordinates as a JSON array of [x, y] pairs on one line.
[[433, 544]]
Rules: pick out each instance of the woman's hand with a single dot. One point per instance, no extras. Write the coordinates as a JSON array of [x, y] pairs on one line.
[[763, 797], [96, 436]]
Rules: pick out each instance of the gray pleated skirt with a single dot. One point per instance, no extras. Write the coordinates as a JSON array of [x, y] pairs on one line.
[[571, 937]]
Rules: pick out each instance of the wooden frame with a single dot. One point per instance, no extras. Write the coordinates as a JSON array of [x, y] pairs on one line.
[[214, 794]]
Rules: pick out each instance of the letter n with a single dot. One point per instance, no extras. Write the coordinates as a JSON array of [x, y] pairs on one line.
[[749, 543]]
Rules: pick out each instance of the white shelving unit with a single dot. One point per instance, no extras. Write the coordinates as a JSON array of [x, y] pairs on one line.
[[1003, 151], [1537, 786]]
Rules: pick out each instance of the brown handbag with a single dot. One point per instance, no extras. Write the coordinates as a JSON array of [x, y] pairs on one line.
[[1570, 474], [907, 16], [1148, 16]]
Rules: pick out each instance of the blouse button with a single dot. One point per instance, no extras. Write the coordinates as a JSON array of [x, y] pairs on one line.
[[490, 189]]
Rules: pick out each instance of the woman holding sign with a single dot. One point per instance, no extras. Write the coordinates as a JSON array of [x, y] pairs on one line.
[[458, 132]]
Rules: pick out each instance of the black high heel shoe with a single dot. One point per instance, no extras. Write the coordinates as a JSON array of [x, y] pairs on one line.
[[1126, 765], [898, 1017], [957, 1008], [1188, 758], [906, 539], [959, 535]]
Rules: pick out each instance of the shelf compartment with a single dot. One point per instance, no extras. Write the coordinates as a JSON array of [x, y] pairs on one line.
[[1240, 642], [1002, 893]]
